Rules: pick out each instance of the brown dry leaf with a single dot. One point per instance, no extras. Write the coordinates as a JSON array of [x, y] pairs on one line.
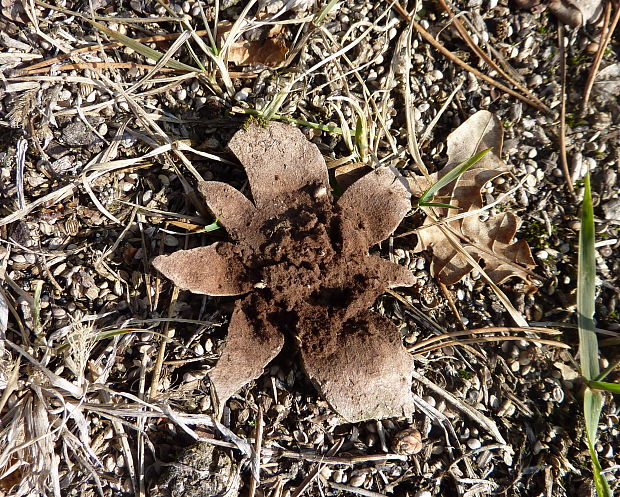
[[303, 261], [269, 50], [490, 241]]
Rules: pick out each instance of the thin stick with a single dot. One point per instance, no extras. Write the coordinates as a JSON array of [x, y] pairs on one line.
[[429, 38], [606, 34], [470, 42], [316, 470], [355, 490], [258, 444], [563, 160], [162, 347], [455, 311]]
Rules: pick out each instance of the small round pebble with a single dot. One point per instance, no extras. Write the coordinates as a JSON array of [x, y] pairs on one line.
[[474, 443], [242, 95], [407, 442]]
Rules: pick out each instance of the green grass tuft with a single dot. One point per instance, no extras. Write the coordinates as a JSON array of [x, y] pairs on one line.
[[588, 343]]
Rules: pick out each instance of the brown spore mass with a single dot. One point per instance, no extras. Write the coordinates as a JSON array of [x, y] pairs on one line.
[[309, 278]]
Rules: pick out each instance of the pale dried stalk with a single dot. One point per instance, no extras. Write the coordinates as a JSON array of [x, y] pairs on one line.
[[161, 353]]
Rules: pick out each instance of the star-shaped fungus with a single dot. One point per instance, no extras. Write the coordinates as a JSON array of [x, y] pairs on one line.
[[301, 261]]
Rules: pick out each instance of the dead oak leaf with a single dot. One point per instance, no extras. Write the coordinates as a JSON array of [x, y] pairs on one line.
[[491, 240], [269, 50], [301, 261]]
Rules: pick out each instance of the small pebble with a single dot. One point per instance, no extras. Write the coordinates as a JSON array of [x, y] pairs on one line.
[[58, 313], [109, 463], [242, 95], [357, 480], [170, 241], [340, 476], [437, 75], [326, 472], [407, 442], [474, 443]]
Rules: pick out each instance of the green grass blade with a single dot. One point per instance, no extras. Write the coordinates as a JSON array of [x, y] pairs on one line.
[[605, 385], [588, 344], [451, 176], [215, 225], [323, 14], [607, 370], [592, 406], [586, 274], [299, 122], [437, 204], [147, 52]]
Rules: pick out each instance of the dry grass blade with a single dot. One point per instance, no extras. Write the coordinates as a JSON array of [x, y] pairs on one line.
[[490, 329], [49, 199], [55, 380], [488, 339], [161, 353], [412, 142], [144, 50], [258, 445], [487, 423]]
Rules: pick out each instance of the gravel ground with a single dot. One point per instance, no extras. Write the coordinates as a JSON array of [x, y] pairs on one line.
[[85, 205]]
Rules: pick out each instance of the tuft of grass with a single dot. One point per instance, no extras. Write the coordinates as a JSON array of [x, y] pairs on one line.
[[588, 343]]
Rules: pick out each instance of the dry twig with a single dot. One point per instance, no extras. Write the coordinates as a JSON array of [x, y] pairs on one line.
[[444, 51], [607, 32], [562, 138]]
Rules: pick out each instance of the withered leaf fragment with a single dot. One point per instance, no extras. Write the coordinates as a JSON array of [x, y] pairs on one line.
[[491, 240], [301, 261]]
